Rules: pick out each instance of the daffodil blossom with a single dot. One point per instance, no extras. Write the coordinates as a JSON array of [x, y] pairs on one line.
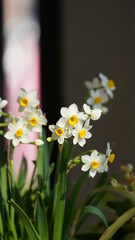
[[81, 133], [108, 84], [97, 98], [3, 103], [94, 163], [110, 156], [94, 114], [71, 116], [35, 120], [27, 100], [59, 133], [95, 83], [18, 133]]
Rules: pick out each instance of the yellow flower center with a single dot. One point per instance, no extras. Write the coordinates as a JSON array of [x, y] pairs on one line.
[[59, 131], [111, 83], [24, 102], [73, 120], [33, 121], [98, 100], [95, 164], [111, 158], [82, 133], [19, 132]]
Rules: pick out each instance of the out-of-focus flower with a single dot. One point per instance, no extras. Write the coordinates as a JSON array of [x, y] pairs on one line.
[[94, 114], [81, 133], [94, 163], [59, 133], [3, 103], [97, 99], [95, 83], [110, 156], [35, 120], [18, 133], [27, 100], [71, 116], [108, 84]]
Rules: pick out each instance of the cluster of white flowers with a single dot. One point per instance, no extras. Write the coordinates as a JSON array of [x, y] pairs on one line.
[[97, 162], [74, 123], [32, 119], [99, 91]]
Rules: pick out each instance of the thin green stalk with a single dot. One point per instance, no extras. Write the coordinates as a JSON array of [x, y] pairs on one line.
[[60, 147], [3, 124], [117, 224]]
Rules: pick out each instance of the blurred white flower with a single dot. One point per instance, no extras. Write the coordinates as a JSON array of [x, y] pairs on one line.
[[110, 156], [3, 103], [18, 133], [108, 84], [95, 83], [94, 114], [81, 133], [94, 163], [27, 100]]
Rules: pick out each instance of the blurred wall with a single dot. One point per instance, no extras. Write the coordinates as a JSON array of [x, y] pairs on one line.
[[98, 36]]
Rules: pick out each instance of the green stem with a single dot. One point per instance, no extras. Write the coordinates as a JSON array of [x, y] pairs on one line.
[[117, 224], [3, 124], [60, 147]]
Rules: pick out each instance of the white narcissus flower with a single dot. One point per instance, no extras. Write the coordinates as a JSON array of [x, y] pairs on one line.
[[108, 84], [97, 97], [110, 156], [59, 133], [95, 83], [94, 163], [81, 133], [18, 133], [94, 114], [71, 116], [3, 103], [35, 120], [27, 100]]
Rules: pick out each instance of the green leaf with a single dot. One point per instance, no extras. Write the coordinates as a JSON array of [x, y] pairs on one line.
[[42, 163], [22, 174], [31, 231], [42, 218], [92, 210], [117, 224], [71, 204], [60, 195]]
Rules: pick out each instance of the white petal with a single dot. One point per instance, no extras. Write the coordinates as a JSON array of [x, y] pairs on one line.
[[73, 108], [92, 173], [16, 142], [3, 103], [86, 108], [9, 135], [61, 122], [86, 159], [64, 112], [82, 142], [85, 168], [61, 140], [88, 135], [96, 114], [94, 154], [75, 141]]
